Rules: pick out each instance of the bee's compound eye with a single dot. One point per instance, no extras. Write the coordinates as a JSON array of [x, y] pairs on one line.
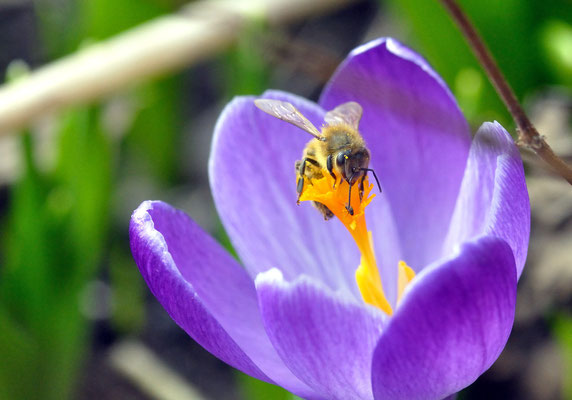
[[341, 158]]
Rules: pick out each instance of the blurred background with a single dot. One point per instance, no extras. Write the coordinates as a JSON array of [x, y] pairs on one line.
[[76, 319]]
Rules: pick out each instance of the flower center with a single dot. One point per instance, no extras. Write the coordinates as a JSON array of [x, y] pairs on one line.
[[334, 195]]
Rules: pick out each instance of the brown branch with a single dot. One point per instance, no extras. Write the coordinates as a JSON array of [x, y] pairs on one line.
[[527, 134]]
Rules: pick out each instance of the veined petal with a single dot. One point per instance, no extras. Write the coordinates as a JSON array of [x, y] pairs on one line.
[[451, 326], [253, 181], [325, 339], [493, 198], [206, 292], [418, 138], [386, 245]]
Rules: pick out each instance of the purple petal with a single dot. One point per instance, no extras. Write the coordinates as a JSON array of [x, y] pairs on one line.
[[386, 244], [206, 292], [493, 198], [418, 137], [253, 182], [451, 326], [326, 340]]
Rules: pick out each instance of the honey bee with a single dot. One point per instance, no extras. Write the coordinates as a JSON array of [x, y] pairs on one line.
[[339, 147]]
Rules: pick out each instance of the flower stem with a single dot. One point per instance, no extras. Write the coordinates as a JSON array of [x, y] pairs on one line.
[[527, 134]]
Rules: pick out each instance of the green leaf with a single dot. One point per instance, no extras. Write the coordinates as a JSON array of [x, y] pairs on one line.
[[556, 41], [154, 136], [25, 280], [254, 389], [128, 292], [84, 176], [18, 351], [54, 240], [562, 329], [104, 18], [246, 69]]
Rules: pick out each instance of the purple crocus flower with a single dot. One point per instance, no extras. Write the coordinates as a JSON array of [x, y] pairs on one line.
[[455, 209]]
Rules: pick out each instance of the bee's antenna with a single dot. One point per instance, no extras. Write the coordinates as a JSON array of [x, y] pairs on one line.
[[374, 175]]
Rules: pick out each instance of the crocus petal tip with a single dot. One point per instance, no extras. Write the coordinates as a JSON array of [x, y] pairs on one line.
[[369, 45], [272, 276]]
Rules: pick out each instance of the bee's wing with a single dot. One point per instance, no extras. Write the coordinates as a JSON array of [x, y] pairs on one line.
[[347, 113], [287, 112]]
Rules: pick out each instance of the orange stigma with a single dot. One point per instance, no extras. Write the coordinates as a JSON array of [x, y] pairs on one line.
[[335, 197]]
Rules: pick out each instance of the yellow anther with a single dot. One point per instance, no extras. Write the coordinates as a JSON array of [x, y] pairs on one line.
[[404, 275]]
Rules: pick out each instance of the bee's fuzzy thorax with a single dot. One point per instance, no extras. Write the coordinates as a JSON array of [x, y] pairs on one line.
[[341, 136]]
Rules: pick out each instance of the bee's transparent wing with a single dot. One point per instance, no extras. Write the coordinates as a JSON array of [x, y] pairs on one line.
[[287, 112], [347, 113]]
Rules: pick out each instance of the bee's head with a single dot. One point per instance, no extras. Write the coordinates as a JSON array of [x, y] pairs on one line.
[[353, 164]]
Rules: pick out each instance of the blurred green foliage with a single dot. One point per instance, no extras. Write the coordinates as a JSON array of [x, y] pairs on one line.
[[65, 25], [59, 231], [246, 70], [562, 328], [556, 41], [529, 39], [128, 291], [154, 136], [53, 243], [252, 388]]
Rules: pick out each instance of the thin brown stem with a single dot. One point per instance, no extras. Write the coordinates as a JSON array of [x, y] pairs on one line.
[[527, 134]]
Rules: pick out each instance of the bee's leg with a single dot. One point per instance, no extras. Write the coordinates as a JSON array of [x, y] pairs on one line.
[[299, 188], [301, 167], [361, 188], [348, 206], [326, 212], [330, 167]]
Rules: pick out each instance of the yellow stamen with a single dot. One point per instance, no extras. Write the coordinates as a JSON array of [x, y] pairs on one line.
[[404, 275], [335, 197]]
